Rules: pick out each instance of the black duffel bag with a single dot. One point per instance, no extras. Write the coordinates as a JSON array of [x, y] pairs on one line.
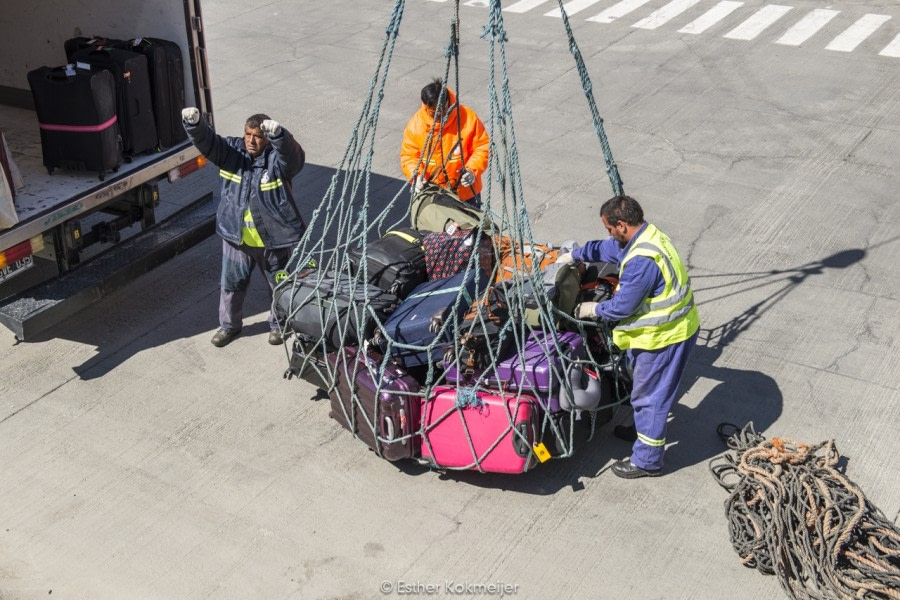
[[395, 263], [330, 311]]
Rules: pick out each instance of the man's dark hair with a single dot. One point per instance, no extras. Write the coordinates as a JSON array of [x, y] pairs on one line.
[[432, 91], [622, 208], [256, 120]]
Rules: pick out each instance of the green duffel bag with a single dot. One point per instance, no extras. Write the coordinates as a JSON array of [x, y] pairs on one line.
[[433, 207]]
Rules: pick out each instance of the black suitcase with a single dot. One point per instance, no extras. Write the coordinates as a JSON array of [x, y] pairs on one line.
[[308, 365], [76, 110], [133, 99], [166, 66], [379, 406], [72, 45], [395, 263], [330, 313]]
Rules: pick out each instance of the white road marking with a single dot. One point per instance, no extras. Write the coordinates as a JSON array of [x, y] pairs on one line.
[[711, 17], [807, 27], [892, 49], [618, 11], [572, 7], [523, 6], [755, 25], [854, 35], [663, 15]]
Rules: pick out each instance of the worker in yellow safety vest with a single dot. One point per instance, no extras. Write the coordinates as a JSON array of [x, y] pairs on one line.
[[655, 319]]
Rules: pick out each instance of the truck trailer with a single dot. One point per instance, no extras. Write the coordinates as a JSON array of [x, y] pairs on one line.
[[78, 235]]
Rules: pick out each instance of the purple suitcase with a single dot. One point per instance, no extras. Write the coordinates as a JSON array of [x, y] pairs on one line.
[[541, 372], [394, 432]]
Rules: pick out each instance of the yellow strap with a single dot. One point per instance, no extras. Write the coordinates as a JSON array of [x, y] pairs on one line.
[[230, 176], [650, 441], [403, 235]]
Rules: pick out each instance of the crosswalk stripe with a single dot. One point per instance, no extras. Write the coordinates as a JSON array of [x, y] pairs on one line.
[[572, 7], [618, 11], [523, 6], [807, 27], [892, 49], [755, 25], [665, 14], [854, 35], [711, 17]]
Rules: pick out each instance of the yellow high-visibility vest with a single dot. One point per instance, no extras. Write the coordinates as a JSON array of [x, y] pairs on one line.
[[249, 234], [668, 318]]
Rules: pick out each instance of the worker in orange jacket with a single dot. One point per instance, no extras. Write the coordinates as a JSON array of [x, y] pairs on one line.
[[460, 158]]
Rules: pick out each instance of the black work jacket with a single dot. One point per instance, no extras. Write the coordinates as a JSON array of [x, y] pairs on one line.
[[262, 184]]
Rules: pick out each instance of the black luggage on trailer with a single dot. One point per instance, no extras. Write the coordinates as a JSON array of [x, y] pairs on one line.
[[73, 45], [164, 59], [133, 99], [76, 110]]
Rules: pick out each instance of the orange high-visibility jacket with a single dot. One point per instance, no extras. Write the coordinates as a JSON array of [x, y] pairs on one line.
[[464, 143]]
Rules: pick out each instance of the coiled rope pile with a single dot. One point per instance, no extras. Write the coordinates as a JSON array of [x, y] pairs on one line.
[[794, 514]]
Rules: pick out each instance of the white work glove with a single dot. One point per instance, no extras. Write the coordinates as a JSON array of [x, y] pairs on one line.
[[467, 178], [190, 115], [270, 128], [420, 183], [565, 258], [585, 310]]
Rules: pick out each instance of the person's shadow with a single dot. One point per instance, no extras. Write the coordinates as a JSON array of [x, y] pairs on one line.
[[103, 328], [740, 395]]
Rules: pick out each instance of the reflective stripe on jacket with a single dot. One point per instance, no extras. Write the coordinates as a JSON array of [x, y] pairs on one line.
[[261, 185], [462, 138], [668, 318]]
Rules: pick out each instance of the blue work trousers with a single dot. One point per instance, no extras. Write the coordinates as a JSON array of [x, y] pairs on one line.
[[237, 266], [657, 374]]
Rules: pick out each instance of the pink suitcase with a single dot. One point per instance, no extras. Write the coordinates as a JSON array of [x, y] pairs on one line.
[[502, 430]]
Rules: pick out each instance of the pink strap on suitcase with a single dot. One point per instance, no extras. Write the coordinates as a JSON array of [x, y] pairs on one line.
[[80, 128]]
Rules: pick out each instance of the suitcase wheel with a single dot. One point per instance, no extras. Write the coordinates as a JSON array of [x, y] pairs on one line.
[[49, 170]]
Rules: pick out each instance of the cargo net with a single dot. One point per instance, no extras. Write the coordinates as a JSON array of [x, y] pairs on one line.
[[474, 361], [794, 513]]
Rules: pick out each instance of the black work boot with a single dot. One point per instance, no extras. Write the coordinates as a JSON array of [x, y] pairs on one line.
[[628, 470], [223, 337]]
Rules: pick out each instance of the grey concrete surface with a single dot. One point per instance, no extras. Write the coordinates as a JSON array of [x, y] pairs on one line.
[[138, 461]]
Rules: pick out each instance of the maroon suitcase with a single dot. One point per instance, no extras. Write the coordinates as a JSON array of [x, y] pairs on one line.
[[386, 418]]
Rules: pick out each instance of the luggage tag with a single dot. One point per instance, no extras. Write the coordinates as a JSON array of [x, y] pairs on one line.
[[70, 70], [540, 450]]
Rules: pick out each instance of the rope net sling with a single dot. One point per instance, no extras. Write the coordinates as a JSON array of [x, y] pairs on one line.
[[351, 215], [794, 514]]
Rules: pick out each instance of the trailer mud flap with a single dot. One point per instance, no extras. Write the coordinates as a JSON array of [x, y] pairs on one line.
[[36, 309]]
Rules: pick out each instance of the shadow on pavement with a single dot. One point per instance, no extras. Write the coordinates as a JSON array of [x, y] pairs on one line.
[[740, 395], [310, 186]]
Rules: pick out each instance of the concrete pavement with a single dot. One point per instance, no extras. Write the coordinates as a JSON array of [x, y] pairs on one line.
[[141, 462]]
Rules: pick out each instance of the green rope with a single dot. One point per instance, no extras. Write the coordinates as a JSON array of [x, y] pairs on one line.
[[349, 217], [611, 169]]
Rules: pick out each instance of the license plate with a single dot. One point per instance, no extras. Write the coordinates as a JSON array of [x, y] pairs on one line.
[[20, 266]]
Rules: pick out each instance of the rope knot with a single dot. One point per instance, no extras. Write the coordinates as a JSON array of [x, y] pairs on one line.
[[468, 397]]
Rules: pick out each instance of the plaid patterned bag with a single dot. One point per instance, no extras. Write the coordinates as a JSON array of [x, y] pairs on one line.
[[447, 254]]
